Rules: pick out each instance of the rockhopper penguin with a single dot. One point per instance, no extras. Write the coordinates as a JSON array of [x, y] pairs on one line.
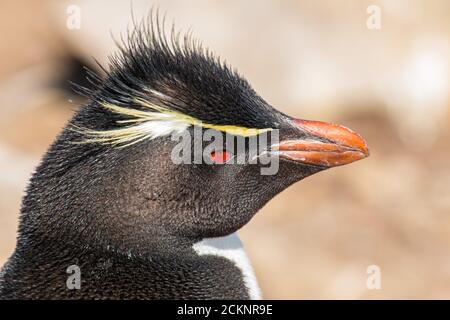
[[109, 199]]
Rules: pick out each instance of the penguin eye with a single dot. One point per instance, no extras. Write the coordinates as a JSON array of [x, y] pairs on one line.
[[220, 157]]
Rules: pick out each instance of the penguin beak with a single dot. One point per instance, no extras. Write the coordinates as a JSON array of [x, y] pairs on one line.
[[324, 144]]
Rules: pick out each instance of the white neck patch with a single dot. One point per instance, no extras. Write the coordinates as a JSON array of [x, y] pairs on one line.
[[230, 247]]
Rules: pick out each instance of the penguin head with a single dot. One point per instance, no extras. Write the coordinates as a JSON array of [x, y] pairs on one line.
[[136, 163]]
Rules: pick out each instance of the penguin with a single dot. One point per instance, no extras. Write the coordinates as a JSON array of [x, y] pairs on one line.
[[109, 214]]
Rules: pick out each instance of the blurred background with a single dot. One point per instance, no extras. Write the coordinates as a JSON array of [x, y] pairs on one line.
[[380, 67]]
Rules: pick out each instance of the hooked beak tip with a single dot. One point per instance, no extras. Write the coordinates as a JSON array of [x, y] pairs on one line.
[[343, 145]]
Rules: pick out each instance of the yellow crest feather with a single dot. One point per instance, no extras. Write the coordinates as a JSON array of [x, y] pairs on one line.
[[158, 121]]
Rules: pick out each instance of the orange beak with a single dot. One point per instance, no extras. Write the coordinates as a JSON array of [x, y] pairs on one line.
[[325, 144]]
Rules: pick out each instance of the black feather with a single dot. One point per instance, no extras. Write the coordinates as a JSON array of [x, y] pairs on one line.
[[195, 81], [129, 217]]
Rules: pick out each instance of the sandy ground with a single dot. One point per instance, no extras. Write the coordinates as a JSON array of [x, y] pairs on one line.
[[316, 239]]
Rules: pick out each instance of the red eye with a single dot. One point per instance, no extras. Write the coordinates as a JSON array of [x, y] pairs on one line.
[[220, 157]]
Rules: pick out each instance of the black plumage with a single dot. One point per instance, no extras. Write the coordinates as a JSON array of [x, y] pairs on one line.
[[128, 217]]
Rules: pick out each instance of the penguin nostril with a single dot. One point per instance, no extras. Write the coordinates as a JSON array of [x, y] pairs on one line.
[[220, 157]]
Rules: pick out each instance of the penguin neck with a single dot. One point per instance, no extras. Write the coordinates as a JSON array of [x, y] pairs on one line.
[[49, 225], [122, 242], [211, 269]]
